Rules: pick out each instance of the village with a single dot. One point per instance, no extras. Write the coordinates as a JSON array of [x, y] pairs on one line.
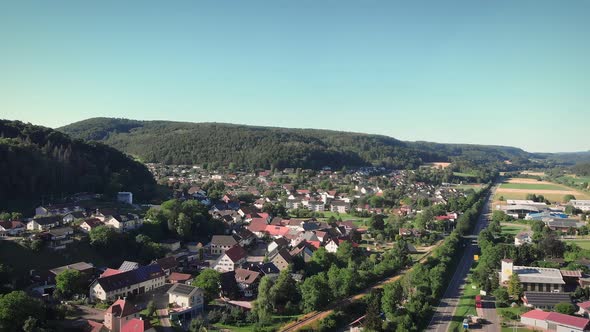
[[273, 222]]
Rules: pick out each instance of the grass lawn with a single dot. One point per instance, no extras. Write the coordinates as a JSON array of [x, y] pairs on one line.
[[584, 244], [534, 186], [359, 221], [517, 329], [464, 175], [466, 307], [513, 229]]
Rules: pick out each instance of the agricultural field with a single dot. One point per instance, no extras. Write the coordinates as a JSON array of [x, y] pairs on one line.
[[519, 188]]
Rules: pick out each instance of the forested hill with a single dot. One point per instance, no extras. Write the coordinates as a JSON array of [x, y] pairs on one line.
[[38, 162], [254, 147]]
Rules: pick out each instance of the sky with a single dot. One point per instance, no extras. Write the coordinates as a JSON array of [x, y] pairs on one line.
[[485, 72]]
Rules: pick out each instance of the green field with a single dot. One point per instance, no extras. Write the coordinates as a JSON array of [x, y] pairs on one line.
[[584, 244], [464, 175], [533, 186], [359, 221], [476, 187]]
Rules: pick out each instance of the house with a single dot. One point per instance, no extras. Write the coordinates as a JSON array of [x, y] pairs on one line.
[[584, 308], [138, 325], [580, 204], [44, 223], [12, 228], [564, 224], [89, 224], [57, 209], [185, 302], [533, 278], [277, 244], [132, 282], [339, 206], [544, 300], [231, 259], [303, 250], [60, 237], [247, 281], [281, 259], [332, 245], [522, 238], [123, 223], [258, 226], [128, 266], [87, 269], [120, 313], [92, 326], [168, 264], [316, 206], [179, 278], [221, 243], [244, 236], [553, 321]]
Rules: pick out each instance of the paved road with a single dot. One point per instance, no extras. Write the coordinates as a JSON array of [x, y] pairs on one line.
[[443, 314]]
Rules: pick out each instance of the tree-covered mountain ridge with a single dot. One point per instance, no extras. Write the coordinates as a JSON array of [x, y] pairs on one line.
[[37, 162], [260, 147]]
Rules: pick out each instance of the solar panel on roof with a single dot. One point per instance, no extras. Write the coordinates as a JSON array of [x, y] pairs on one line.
[[183, 289]]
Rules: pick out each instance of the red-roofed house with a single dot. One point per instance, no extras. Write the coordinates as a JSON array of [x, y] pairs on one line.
[[118, 314], [93, 326], [137, 325], [176, 277], [553, 321], [231, 259], [110, 272], [276, 231], [258, 226], [584, 308]]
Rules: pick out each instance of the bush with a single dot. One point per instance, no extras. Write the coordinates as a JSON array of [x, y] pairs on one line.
[[214, 316]]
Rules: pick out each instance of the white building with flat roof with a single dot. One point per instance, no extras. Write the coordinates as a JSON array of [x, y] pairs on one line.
[[581, 204], [532, 278]]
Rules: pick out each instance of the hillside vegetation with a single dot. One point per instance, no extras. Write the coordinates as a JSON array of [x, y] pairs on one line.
[[263, 147], [38, 162]]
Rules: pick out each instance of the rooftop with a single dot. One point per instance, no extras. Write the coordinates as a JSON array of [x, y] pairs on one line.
[[528, 274]]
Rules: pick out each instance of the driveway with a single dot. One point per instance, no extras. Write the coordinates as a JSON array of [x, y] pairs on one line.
[[164, 319], [87, 312]]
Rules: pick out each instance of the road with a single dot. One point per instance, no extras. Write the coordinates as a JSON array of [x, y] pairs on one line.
[[443, 314], [317, 315]]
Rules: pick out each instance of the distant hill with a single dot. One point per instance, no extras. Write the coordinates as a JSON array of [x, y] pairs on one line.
[[38, 162], [261, 147]]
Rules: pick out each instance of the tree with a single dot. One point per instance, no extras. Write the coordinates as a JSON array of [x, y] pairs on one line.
[[102, 236], [208, 280], [565, 308], [31, 324], [197, 325], [373, 321], [264, 305], [16, 307], [568, 198], [183, 226], [392, 298], [69, 282], [315, 292], [151, 308], [501, 295], [284, 290], [514, 286]]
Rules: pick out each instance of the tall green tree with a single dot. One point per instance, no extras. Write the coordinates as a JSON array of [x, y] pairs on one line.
[[208, 280]]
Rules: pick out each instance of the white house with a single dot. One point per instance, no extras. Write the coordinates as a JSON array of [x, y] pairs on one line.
[[186, 302], [231, 259], [118, 314], [127, 283], [522, 238]]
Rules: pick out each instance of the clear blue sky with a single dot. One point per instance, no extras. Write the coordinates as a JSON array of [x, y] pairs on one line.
[[493, 72]]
